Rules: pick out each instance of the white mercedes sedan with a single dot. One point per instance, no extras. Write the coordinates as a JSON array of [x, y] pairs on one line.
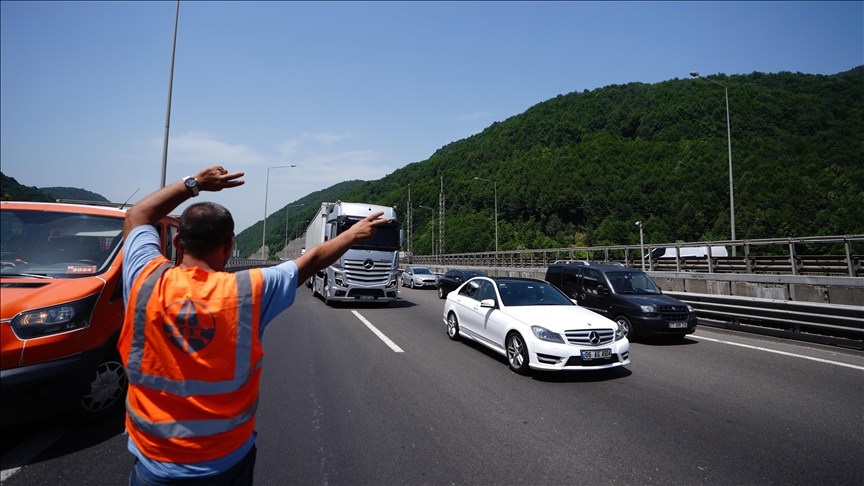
[[534, 326]]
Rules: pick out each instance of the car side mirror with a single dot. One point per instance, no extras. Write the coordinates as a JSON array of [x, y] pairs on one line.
[[488, 303], [602, 290]]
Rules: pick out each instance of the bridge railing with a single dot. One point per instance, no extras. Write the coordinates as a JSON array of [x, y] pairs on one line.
[[848, 263]]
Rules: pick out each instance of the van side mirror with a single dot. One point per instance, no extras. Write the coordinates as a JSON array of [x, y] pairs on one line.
[[602, 290]]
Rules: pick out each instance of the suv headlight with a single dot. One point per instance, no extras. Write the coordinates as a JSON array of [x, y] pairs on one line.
[[546, 335], [649, 309], [55, 319]]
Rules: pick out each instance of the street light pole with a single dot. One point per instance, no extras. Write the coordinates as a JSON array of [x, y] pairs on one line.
[[266, 190], [641, 244], [496, 209], [729, 143]]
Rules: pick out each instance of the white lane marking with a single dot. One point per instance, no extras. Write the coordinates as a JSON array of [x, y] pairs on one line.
[[378, 333], [782, 352], [14, 460]]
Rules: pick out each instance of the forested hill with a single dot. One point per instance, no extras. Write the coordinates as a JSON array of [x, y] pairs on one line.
[[582, 168]]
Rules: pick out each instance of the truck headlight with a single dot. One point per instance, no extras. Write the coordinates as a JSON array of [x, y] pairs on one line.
[[55, 319], [546, 335], [392, 282], [338, 280]]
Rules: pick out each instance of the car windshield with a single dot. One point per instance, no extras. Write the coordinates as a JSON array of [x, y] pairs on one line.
[[632, 282], [57, 244], [523, 293], [421, 271]]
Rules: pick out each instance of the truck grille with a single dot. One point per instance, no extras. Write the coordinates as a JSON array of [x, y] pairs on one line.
[[583, 337], [356, 272]]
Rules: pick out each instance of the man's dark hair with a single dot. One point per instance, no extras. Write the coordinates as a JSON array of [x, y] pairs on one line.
[[204, 228]]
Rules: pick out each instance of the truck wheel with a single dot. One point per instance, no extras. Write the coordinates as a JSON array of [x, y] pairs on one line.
[[326, 292]]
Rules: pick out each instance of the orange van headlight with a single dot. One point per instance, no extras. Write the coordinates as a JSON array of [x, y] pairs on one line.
[[55, 319]]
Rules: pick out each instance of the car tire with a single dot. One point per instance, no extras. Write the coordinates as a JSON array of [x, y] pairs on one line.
[[517, 354], [107, 394], [629, 332], [452, 327], [411, 284], [441, 293]]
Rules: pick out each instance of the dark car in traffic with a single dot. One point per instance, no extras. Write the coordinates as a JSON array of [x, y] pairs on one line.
[[454, 278], [624, 295]]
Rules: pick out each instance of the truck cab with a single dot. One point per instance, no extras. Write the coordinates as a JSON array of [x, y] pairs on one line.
[[369, 270]]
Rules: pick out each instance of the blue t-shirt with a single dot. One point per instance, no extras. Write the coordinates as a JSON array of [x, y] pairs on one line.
[[280, 287]]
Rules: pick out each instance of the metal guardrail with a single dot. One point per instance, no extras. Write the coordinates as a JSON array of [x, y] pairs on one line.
[[847, 264], [823, 323], [238, 264]]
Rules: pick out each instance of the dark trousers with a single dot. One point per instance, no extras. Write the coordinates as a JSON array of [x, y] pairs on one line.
[[240, 474]]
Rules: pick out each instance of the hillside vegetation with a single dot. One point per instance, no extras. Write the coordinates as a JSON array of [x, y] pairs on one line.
[[582, 168]]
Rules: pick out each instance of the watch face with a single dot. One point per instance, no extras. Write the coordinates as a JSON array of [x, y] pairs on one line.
[[190, 183]]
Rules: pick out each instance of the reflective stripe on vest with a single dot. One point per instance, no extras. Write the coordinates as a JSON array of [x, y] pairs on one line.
[[187, 388], [190, 428]]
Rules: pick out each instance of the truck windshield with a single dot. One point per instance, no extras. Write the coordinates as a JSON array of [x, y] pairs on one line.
[[632, 282], [57, 244], [387, 237]]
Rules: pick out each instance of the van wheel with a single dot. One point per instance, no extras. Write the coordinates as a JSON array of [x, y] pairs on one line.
[[107, 393], [625, 324]]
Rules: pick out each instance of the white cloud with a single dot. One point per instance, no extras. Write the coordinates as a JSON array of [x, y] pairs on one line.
[[202, 149]]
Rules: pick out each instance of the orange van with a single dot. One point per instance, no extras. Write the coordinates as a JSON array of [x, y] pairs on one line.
[[61, 309]]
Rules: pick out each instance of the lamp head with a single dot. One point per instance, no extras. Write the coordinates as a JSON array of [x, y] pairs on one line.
[[694, 74]]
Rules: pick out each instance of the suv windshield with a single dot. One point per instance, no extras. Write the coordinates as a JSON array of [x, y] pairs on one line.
[[632, 282], [57, 244]]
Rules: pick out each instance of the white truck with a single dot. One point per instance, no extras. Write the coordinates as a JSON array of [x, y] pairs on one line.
[[366, 272]]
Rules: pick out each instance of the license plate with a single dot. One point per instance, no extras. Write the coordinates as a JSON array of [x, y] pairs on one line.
[[677, 325], [596, 353], [366, 297]]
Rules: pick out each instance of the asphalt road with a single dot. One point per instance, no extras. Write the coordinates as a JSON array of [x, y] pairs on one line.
[[339, 405]]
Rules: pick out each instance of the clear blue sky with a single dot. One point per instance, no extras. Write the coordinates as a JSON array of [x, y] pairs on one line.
[[351, 90]]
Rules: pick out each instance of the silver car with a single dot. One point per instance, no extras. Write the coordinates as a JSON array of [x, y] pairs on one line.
[[419, 277]]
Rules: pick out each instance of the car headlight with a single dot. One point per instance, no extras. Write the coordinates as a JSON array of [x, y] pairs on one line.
[[649, 309], [619, 333], [546, 335], [55, 319]]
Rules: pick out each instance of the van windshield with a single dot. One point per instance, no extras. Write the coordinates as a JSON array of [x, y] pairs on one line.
[[632, 282], [57, 244]]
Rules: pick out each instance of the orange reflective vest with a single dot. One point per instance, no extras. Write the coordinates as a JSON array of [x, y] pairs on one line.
[[193, 358]]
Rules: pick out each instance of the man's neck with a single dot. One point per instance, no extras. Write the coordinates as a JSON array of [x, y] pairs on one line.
[[208, 265]]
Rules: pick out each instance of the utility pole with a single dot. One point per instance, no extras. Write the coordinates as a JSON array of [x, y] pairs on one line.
[[441, 221], [410, 248]]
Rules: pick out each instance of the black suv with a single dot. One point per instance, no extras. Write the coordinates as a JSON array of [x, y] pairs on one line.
[[625, 295]]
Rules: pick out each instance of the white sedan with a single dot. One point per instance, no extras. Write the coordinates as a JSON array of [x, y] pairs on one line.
[[534, 325]]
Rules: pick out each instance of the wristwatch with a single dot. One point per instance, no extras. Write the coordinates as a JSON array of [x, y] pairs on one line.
[[191, 184]]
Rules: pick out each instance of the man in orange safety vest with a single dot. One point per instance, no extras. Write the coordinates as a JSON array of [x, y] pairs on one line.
[[191, 339]]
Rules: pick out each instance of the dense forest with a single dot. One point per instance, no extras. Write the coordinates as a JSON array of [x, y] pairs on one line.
[[582, 168]]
